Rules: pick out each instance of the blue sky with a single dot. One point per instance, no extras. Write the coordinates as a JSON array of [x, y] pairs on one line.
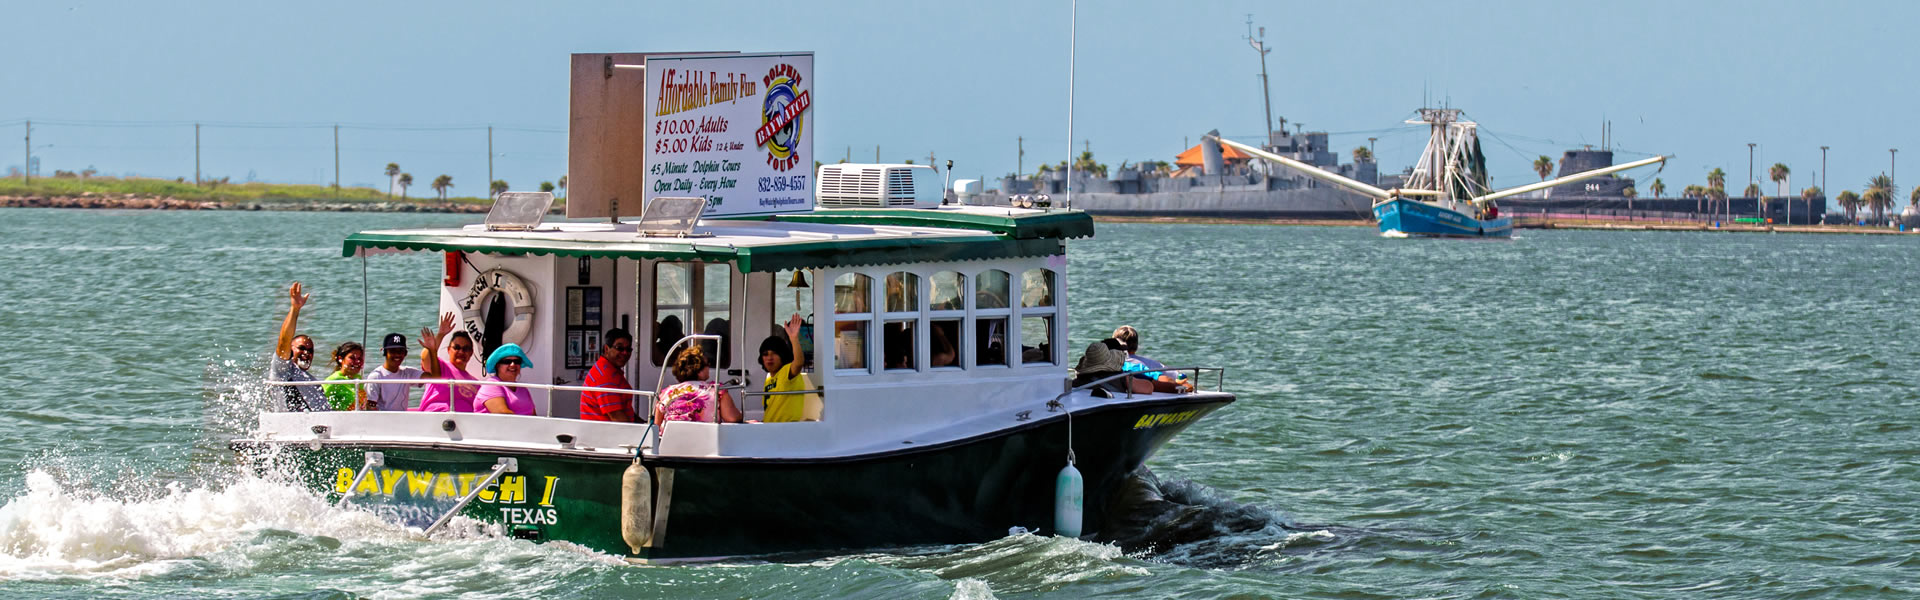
[[1698, 79]]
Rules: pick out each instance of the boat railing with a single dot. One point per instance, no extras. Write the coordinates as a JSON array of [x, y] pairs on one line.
[[548, 388], [1219, 381], [820, 393]]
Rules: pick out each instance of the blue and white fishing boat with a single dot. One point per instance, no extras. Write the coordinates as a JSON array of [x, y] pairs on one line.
[[1446, 195]]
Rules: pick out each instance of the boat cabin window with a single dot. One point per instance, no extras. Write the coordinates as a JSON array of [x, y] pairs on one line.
[[852, 297], [991, 317], [1036, 317], [898, 325], [938, 321], [689, 298], [949, 289], [946, 311]]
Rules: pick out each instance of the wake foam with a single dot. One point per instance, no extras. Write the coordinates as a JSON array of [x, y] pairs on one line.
[[57, 529], [1186, 523]]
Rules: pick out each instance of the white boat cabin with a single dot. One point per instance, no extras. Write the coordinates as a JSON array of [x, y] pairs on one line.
[[921, 325]]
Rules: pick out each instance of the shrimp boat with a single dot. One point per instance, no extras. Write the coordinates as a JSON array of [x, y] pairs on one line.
[[1447, 194], [940, 408]]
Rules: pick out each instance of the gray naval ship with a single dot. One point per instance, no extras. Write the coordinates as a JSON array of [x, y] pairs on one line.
[[1209, 181], [1206, 181]]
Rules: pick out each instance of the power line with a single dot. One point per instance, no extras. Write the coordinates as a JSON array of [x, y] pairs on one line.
[[284, 125]]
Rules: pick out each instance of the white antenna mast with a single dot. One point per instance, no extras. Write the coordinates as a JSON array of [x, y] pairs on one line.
[[1073, 31]]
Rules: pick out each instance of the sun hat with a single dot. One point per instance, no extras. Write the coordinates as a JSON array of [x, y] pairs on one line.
[[506, 350]]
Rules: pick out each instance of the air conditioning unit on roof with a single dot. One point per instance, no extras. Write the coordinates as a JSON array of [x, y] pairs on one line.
[[849, 185]]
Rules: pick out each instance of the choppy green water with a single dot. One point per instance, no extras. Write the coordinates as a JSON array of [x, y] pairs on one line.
[[1569, 414]]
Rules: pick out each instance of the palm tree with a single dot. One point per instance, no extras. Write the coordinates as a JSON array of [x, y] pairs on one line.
[[1717, 196], [1778, 173], [546, 186], [1849, 202], [1659, 187], [1807, 196], [393, 169], [1362, 154], [1716, 179], [441, 183], [1543, 166], [1879, 195], [1913, 200], [498, 185], [406, 181], [1630, 193], [1696, 193], [562, 185]]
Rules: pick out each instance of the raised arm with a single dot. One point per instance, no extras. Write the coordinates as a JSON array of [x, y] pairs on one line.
[[793, 337], [284, 347], [430, 347]]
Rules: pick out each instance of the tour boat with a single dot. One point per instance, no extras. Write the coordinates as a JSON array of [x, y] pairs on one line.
[[1446, 194], [943, 405]]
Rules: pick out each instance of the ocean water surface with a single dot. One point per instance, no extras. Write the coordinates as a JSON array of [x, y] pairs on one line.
[[1565, 415]]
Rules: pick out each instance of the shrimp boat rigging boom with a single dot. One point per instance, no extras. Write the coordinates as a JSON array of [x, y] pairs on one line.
[[1447, 193]]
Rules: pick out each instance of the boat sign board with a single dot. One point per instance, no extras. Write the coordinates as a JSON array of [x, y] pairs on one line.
[[736, 129]]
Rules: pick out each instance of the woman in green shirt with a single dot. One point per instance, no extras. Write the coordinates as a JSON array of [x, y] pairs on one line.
[[348, 359]]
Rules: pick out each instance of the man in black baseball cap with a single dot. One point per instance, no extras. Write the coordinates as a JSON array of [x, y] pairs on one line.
[[391, 396]]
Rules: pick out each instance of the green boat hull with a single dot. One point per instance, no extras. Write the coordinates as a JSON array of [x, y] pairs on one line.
[[965, 491]]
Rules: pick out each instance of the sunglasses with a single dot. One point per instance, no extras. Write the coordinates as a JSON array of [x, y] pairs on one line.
[[461, 348], [509, 362]]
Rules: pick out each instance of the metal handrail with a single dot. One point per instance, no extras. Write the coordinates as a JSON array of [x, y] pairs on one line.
[[517, 384], [812, 391], [1220, 381]]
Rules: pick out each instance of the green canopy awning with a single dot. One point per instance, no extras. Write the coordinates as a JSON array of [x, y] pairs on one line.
[[810, 254]]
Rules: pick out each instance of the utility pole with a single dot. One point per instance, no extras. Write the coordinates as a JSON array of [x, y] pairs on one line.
[[336, 162], [1020, 164], [1823, 171], [196, 155], [1376, 157], [1266, 93], [876, 153], [26, 168], [1751, 182], [849, 157], [489, 161]]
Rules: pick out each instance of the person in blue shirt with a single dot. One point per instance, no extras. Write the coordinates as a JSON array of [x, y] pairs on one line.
[[1166, 382]]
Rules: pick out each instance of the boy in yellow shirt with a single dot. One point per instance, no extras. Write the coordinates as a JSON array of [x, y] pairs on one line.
[[780, 357]]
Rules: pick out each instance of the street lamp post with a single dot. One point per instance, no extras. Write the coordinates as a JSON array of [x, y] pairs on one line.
[[1751, 182], [1823, 179]]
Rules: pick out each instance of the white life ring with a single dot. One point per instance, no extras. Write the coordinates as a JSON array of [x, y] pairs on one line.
[[498, 281]]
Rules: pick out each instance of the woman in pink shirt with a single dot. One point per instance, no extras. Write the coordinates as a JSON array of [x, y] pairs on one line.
[[441, 397], [504, 365]]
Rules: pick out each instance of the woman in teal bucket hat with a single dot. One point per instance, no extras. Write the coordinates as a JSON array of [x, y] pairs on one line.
[[505, 365]]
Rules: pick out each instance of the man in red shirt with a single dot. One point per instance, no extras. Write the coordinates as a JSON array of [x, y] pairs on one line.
[[609, 371]]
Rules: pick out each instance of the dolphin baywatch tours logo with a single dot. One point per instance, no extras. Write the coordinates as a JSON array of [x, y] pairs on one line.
[[780, 113]]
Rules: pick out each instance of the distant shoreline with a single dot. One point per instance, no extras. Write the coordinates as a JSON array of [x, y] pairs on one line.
[[138, 202], [70, 190], [1586, 224]]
